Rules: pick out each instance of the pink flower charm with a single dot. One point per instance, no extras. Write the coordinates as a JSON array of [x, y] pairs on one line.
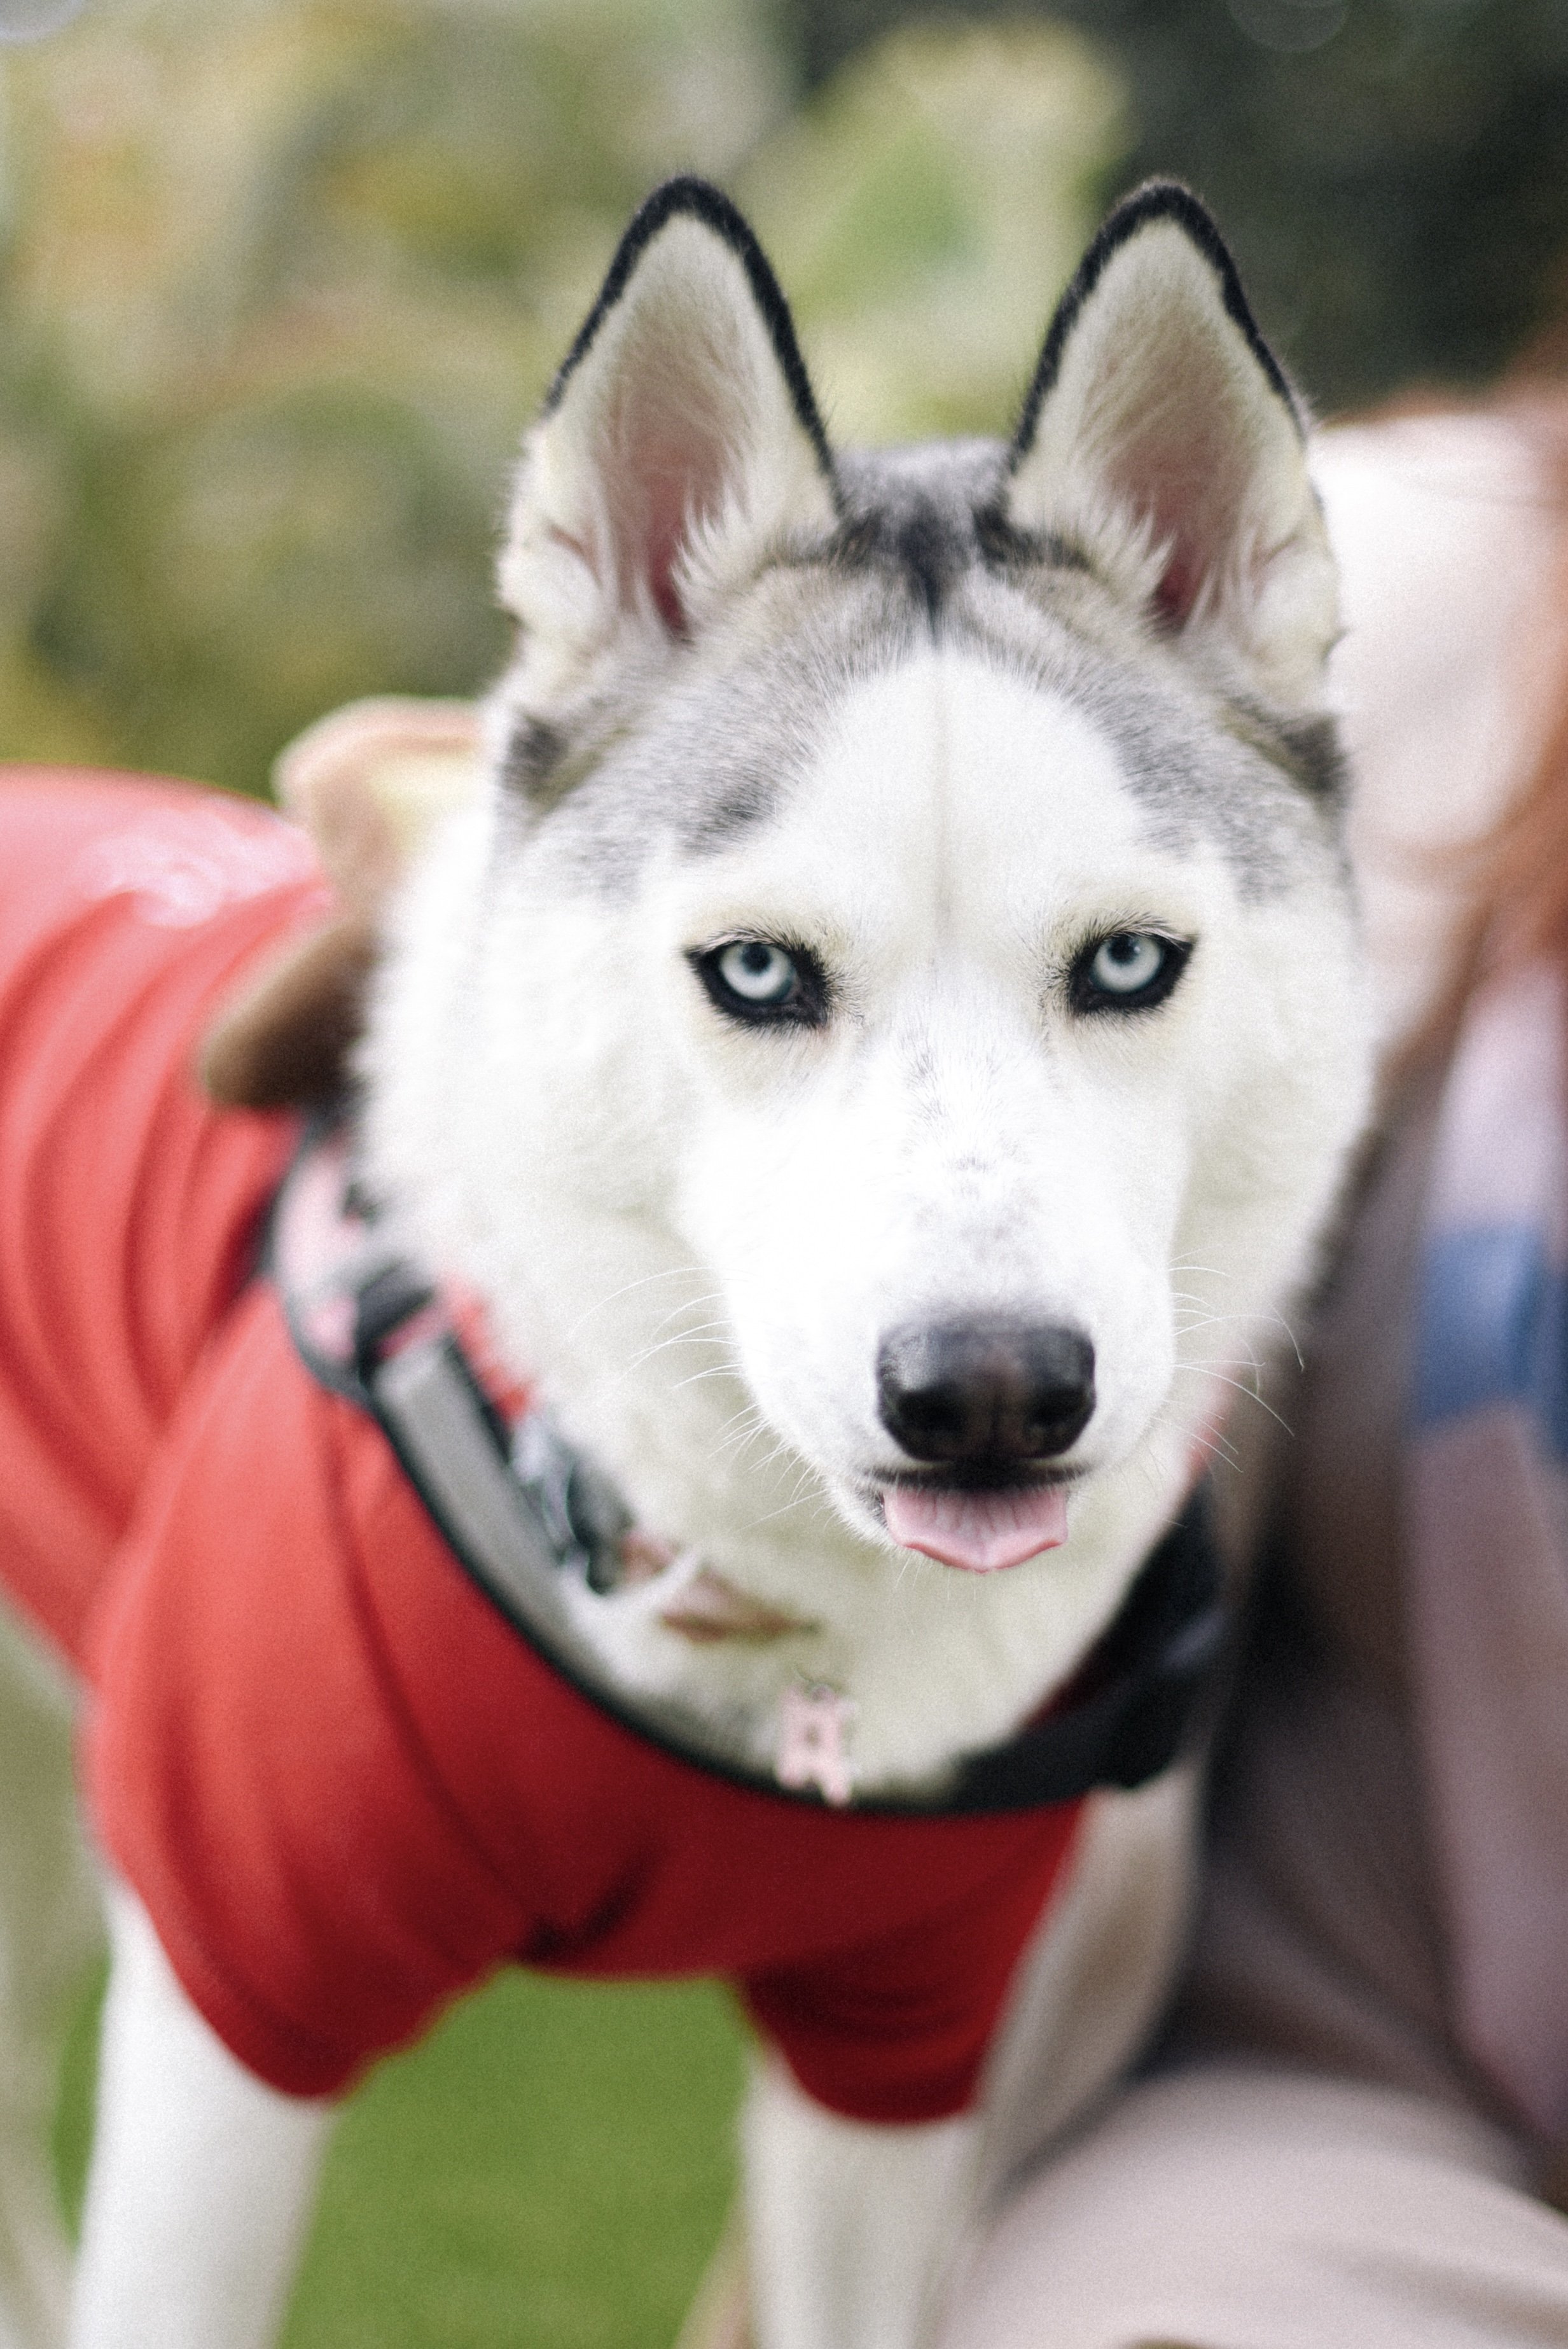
[[814, 1724]]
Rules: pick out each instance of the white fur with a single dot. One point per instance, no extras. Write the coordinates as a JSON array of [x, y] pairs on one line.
[[676, 463], [1161, 439], [202, 2177], [700, 1233], [849, 2226], [696, 1233]]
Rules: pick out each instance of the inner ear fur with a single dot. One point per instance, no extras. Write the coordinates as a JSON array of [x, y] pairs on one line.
[[681, 439], [1160, 433]]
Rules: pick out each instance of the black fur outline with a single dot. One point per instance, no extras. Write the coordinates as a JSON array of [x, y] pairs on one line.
[[688, 197], [1157, 200]]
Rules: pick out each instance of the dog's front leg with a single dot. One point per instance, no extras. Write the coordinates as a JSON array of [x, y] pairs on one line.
[[202, 2179], [849, 2223]]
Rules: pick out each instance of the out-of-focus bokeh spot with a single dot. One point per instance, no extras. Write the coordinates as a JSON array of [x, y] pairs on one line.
[[29, 20]]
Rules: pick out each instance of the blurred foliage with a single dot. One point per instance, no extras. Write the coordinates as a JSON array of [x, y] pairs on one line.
[[1393, 174], [282, 281], [924, 211]]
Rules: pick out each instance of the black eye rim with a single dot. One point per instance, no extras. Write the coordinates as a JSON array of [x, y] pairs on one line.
[[1091, 999], [806, 1005]]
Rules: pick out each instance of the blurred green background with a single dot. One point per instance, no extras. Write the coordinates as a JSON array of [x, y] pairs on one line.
[[550, 2169], [282, 281]]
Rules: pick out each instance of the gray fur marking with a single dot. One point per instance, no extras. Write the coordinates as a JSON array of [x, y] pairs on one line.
[[926, 516], [1203, 768], [722, 745], [924, 554]]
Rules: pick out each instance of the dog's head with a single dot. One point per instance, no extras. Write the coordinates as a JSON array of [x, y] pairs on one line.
[[897, 996]]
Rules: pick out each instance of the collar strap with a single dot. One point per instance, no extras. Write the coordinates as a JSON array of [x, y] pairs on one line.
[[535, 1524]]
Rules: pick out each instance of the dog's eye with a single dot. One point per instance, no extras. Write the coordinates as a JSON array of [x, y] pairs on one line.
[[1131, 970], [758, 973], [758, 980]]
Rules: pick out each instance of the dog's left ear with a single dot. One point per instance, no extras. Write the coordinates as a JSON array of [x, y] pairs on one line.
[[1161, 436], [680, 447]]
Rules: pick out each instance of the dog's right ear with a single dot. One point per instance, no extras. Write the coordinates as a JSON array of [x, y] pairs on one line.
[[1160, 436], [679, 446]]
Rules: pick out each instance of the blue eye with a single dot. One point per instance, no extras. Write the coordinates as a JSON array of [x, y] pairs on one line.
[[758, 973], [758, 981], [1131, 971]]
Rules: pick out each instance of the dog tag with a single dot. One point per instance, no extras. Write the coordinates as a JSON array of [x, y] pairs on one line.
[[814, 1724]]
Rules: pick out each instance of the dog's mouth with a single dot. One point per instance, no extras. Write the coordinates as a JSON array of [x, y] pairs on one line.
[[981, 1527]]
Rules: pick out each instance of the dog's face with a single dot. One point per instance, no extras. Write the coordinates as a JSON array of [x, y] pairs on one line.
[[902, 979], [936, 1120]]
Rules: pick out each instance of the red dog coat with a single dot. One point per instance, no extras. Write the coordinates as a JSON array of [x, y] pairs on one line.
[[342, 1785]]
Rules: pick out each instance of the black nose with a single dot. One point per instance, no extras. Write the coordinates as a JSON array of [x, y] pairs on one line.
[[986, 1390]]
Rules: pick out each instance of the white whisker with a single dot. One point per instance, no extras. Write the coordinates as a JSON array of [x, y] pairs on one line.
[[670, 1272]]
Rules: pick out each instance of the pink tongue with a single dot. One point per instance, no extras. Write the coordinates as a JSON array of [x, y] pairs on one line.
[[981, 1531]]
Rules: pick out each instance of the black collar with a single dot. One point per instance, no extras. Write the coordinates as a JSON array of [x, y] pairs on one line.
[[526, 1517]]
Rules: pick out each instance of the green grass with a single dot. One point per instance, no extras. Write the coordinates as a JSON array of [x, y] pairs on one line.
[[548, 2170]]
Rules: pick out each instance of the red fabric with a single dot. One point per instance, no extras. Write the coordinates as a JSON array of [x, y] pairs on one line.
[[342, 1785], [126, 1210]]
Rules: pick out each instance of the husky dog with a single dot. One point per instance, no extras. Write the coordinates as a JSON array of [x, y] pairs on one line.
[[876, 1056]]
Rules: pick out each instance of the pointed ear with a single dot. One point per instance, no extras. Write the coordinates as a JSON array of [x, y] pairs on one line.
[[1161, 436], [680, 442]]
